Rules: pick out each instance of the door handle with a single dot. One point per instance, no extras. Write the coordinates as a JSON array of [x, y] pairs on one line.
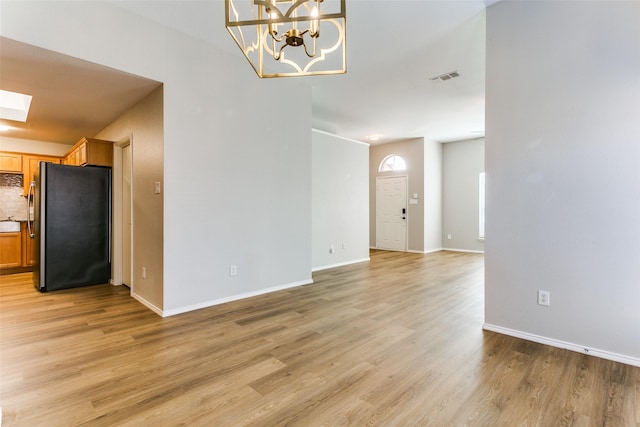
[[30, 195]]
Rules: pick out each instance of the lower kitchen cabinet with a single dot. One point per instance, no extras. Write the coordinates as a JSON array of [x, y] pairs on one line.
[[10, 250], [28, 246], [17, 249]]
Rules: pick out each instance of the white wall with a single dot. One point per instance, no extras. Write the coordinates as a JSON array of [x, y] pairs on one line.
[[237, 183], [33, 147], [413, 152], [424, 171], [432, 196], [563, 182], [463, 161], [142, 125], [340, 200]]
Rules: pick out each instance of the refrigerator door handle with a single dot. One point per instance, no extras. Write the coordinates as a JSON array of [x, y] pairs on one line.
[[30, 194]]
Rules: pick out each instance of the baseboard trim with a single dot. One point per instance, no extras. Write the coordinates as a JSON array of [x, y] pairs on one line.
[[411, 251], [193, 307], [471, 251], [15, 270], [430, 251], [340, 264], [146, 303], [633, 361]]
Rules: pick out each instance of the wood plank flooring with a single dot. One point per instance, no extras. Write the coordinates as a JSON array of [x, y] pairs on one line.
[[393, 342]]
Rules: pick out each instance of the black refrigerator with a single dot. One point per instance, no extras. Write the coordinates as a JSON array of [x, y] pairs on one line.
[[71, 227]]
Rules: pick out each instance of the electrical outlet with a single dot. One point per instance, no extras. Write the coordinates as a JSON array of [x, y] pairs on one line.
[[449, 236], [233, 270], [544, 298], [144, 272], [331, 249]]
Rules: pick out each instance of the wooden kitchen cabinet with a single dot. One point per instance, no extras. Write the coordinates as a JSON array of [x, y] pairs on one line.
[[10, 250], [90, 152], [98, 154], [17, 249], [10, 162], [69, 159], [28, 246], [30, 165]]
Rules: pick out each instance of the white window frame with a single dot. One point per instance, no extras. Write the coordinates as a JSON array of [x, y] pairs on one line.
[[393, 169]]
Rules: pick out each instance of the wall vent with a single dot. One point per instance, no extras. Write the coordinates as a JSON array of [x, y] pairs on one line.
[[446, 76]]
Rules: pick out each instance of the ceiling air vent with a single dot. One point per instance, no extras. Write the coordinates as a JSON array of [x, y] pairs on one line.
[[446, 76]]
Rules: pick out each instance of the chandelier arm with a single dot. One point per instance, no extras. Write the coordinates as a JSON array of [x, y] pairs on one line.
[[310, 55], [274, 34], [279, 53]]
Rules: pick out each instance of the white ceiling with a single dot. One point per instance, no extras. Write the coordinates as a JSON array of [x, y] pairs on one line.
[[393, 48]]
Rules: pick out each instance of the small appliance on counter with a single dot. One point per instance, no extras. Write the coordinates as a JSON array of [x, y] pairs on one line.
[[72, 226]]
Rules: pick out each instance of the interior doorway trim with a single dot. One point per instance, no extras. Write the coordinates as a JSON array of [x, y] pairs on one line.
[[118, 203]]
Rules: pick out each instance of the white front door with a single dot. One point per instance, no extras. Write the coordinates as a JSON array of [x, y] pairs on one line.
[[391, 213]]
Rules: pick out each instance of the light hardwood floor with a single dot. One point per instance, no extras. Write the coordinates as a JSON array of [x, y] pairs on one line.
[[393, 342]]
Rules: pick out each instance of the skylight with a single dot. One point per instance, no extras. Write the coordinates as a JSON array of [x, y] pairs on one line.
[[14, 106]]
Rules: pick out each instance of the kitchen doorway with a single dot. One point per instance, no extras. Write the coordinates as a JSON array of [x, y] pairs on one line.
[[122, 256]]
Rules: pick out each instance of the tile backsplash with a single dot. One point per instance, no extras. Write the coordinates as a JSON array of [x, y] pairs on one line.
[[12, 202]]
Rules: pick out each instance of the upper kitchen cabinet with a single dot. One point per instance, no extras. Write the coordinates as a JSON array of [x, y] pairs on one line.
[[90, 152], [30, 164], [10, 162]]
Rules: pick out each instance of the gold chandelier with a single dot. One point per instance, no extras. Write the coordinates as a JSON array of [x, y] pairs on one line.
[[285, 38]]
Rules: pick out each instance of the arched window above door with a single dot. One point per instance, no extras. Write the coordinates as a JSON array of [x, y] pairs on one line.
[[392, 163]]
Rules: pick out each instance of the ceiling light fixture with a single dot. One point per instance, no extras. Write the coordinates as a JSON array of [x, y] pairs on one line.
[[287, 38]]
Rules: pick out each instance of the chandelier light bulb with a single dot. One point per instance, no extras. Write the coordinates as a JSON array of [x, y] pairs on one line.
[[314, 25]]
